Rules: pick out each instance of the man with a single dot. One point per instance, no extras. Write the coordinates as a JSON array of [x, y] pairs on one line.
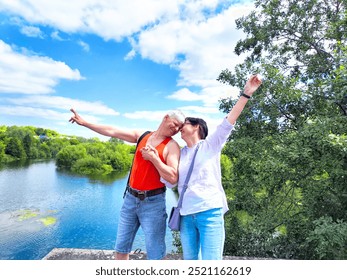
[[144, 203]]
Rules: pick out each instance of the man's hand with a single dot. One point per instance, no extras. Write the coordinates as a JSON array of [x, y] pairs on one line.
[[76, 118], [149, 153], [252, 84]]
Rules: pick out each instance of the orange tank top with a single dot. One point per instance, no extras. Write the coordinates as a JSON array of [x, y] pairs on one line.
[[144, 176]]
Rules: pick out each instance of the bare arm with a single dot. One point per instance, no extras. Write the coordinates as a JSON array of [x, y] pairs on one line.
[[168, 171], [251, 86], [129, 136]]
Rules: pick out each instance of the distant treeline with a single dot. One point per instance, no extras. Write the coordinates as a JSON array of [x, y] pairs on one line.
[[78, 154]]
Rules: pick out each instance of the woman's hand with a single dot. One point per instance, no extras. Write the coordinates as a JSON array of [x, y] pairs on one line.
[[252, 84], [149, 153]]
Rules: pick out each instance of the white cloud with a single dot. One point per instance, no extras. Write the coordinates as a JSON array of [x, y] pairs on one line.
[[114, 19], [32, 31], [198, 49], [196, 111], [84, 46], [185, 94], [55, 35], [31, 74], [33, 112], [209, 95], [130, 55], [63, 103], [154, 116], [193, 110]]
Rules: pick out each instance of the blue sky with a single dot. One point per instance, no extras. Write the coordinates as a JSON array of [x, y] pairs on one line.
[[117, 62]]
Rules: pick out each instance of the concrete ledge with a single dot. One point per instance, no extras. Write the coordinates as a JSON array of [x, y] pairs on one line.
[[89, 254]]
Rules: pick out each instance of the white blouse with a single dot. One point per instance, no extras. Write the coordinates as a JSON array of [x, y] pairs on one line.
[[205, 189]]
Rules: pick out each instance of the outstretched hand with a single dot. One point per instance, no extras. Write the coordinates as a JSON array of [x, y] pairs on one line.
[[76, 118], [252, 84]]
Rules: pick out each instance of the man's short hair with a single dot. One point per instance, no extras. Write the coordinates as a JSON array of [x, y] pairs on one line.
[[177, 114]]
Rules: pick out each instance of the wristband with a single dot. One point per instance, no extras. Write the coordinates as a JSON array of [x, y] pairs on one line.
[[245, 95]]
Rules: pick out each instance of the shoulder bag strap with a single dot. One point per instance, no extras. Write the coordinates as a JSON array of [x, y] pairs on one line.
[[185, 186]]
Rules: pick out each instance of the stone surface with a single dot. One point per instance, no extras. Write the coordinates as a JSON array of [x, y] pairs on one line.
[[86, 254]]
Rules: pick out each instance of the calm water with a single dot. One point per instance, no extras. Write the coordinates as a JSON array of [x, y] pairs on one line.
[[42, 208]]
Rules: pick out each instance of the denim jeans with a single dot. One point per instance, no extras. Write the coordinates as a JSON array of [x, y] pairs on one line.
[[151, 215], [203, 235]]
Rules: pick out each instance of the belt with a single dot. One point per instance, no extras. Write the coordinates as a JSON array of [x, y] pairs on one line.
[[143, 194]]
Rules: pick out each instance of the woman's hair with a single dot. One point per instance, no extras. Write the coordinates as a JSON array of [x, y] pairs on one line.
[[203, 130]]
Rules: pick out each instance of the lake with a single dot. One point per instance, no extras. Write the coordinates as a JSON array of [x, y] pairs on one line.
[[42, 208]]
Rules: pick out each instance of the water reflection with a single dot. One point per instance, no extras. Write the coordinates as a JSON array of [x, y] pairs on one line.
[[19, 164], [107, 179], [42, 208]]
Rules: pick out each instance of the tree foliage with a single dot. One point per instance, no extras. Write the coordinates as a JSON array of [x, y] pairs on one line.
[[287, 187], [80, 155], [95, 157]]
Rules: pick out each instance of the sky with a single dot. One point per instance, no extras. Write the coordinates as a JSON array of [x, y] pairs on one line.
[[124, 63]]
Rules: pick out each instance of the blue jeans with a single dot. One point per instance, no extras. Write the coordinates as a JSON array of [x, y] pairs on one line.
[[150, 214], [203, 235]]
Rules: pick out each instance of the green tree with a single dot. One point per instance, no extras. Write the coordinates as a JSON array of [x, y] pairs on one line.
[[290, 148], [119, 156], [18, 132], [95, 157], [44, 151], [2, 143], [56, 144], [2, 152], [28, 145], [91, 165], [15, 148], [67, 157], [329, 239]]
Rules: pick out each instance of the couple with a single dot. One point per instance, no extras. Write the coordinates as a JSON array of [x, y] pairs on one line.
[[159, 162]]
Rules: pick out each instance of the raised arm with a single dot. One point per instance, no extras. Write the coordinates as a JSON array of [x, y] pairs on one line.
[[251, 86], [129, 136]]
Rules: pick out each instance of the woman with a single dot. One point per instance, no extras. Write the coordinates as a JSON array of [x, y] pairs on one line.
[[204, 202]]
